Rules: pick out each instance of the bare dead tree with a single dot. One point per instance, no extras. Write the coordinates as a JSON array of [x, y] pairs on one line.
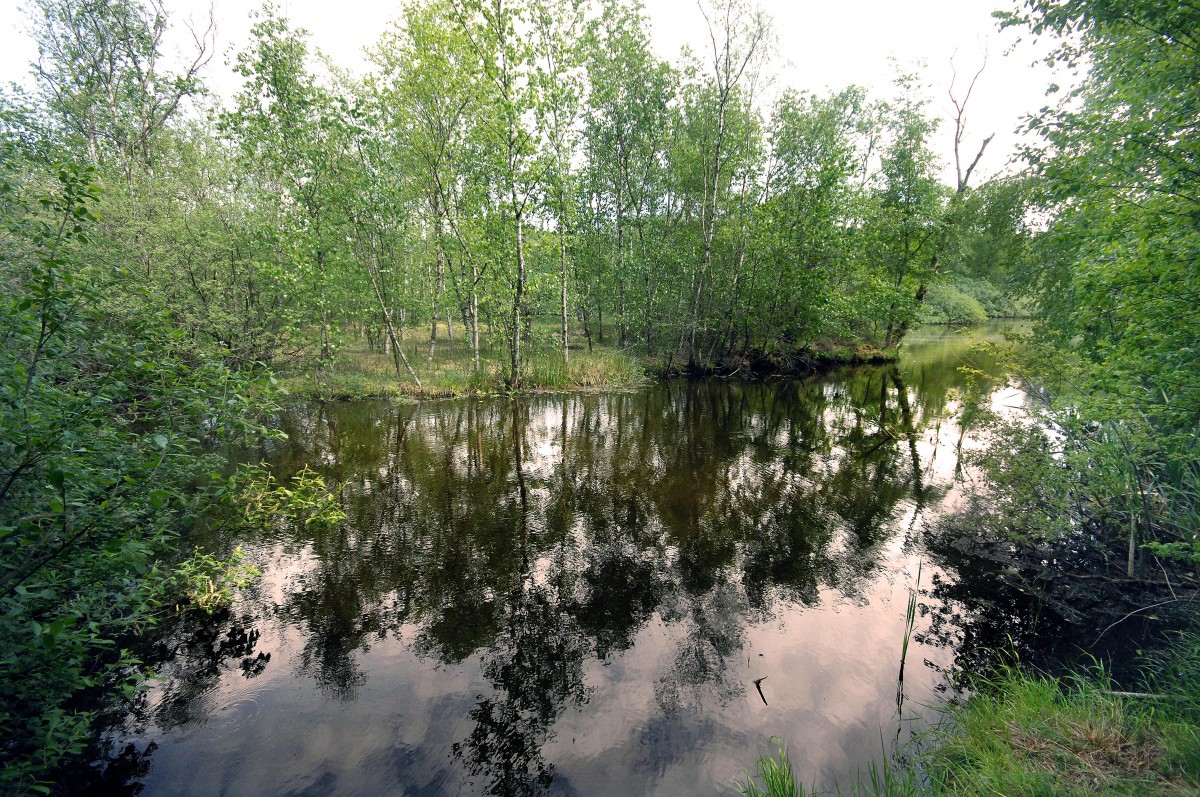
[[960, 125]]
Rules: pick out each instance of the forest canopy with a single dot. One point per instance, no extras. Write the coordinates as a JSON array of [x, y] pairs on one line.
[[525, 172]]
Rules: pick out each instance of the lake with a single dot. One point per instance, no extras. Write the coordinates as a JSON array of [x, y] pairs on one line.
[[581, 594]]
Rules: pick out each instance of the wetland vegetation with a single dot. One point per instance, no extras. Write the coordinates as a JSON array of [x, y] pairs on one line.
[[626, 587]]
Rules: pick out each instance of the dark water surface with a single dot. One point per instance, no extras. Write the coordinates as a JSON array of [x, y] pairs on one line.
[[576, 594]]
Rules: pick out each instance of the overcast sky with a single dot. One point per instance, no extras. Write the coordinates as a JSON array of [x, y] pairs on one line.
[[821, 45]]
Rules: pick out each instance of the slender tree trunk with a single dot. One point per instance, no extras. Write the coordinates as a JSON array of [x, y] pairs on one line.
[[562, 254], [620, 263], [587, 328], [398, 357], [474, 319], [710, 228], [470, 305], [562, 262], [514, 379], [919, 297], [650, 288], [439, 279]]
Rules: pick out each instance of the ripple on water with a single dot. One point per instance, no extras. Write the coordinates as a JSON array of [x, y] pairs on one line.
[[240, 712]]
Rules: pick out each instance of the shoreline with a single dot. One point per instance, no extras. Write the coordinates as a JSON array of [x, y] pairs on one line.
[[363, 384]]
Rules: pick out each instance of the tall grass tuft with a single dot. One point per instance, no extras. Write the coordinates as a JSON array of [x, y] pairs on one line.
[[1175, 672], [777, 778], [774, 770], [910, 622]]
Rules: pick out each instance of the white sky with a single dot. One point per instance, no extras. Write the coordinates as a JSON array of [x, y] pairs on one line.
[[822, 44]]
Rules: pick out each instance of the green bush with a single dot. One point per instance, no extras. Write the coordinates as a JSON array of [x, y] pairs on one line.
[[996, 302], [946, 304], [104, 427]]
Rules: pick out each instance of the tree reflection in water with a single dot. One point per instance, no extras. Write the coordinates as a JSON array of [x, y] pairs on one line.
[[538, 533], [532, 538]]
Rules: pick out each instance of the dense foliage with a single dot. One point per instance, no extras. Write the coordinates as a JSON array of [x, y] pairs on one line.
[[528, 176], [1115, 282], [525, 171], [104, 431], [1101, 491]]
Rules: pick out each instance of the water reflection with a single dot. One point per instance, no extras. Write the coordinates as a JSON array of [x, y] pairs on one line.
[[535, 668], [582, 589], [700, 501]]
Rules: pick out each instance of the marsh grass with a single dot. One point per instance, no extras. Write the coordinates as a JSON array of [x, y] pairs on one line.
[[774, 777], [359, 372], [1028, 734], [774, 772]]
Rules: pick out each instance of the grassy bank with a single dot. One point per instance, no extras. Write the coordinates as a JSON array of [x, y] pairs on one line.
[[358, 372], [1031, 735], [1028, 735]]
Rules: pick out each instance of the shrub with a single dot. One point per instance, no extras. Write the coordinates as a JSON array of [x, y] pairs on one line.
[[946, 304], [105, 428]]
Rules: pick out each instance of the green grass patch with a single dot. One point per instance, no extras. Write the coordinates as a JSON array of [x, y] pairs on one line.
[[603, 367], [1032, 735], [838, 353], [358, 372]]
